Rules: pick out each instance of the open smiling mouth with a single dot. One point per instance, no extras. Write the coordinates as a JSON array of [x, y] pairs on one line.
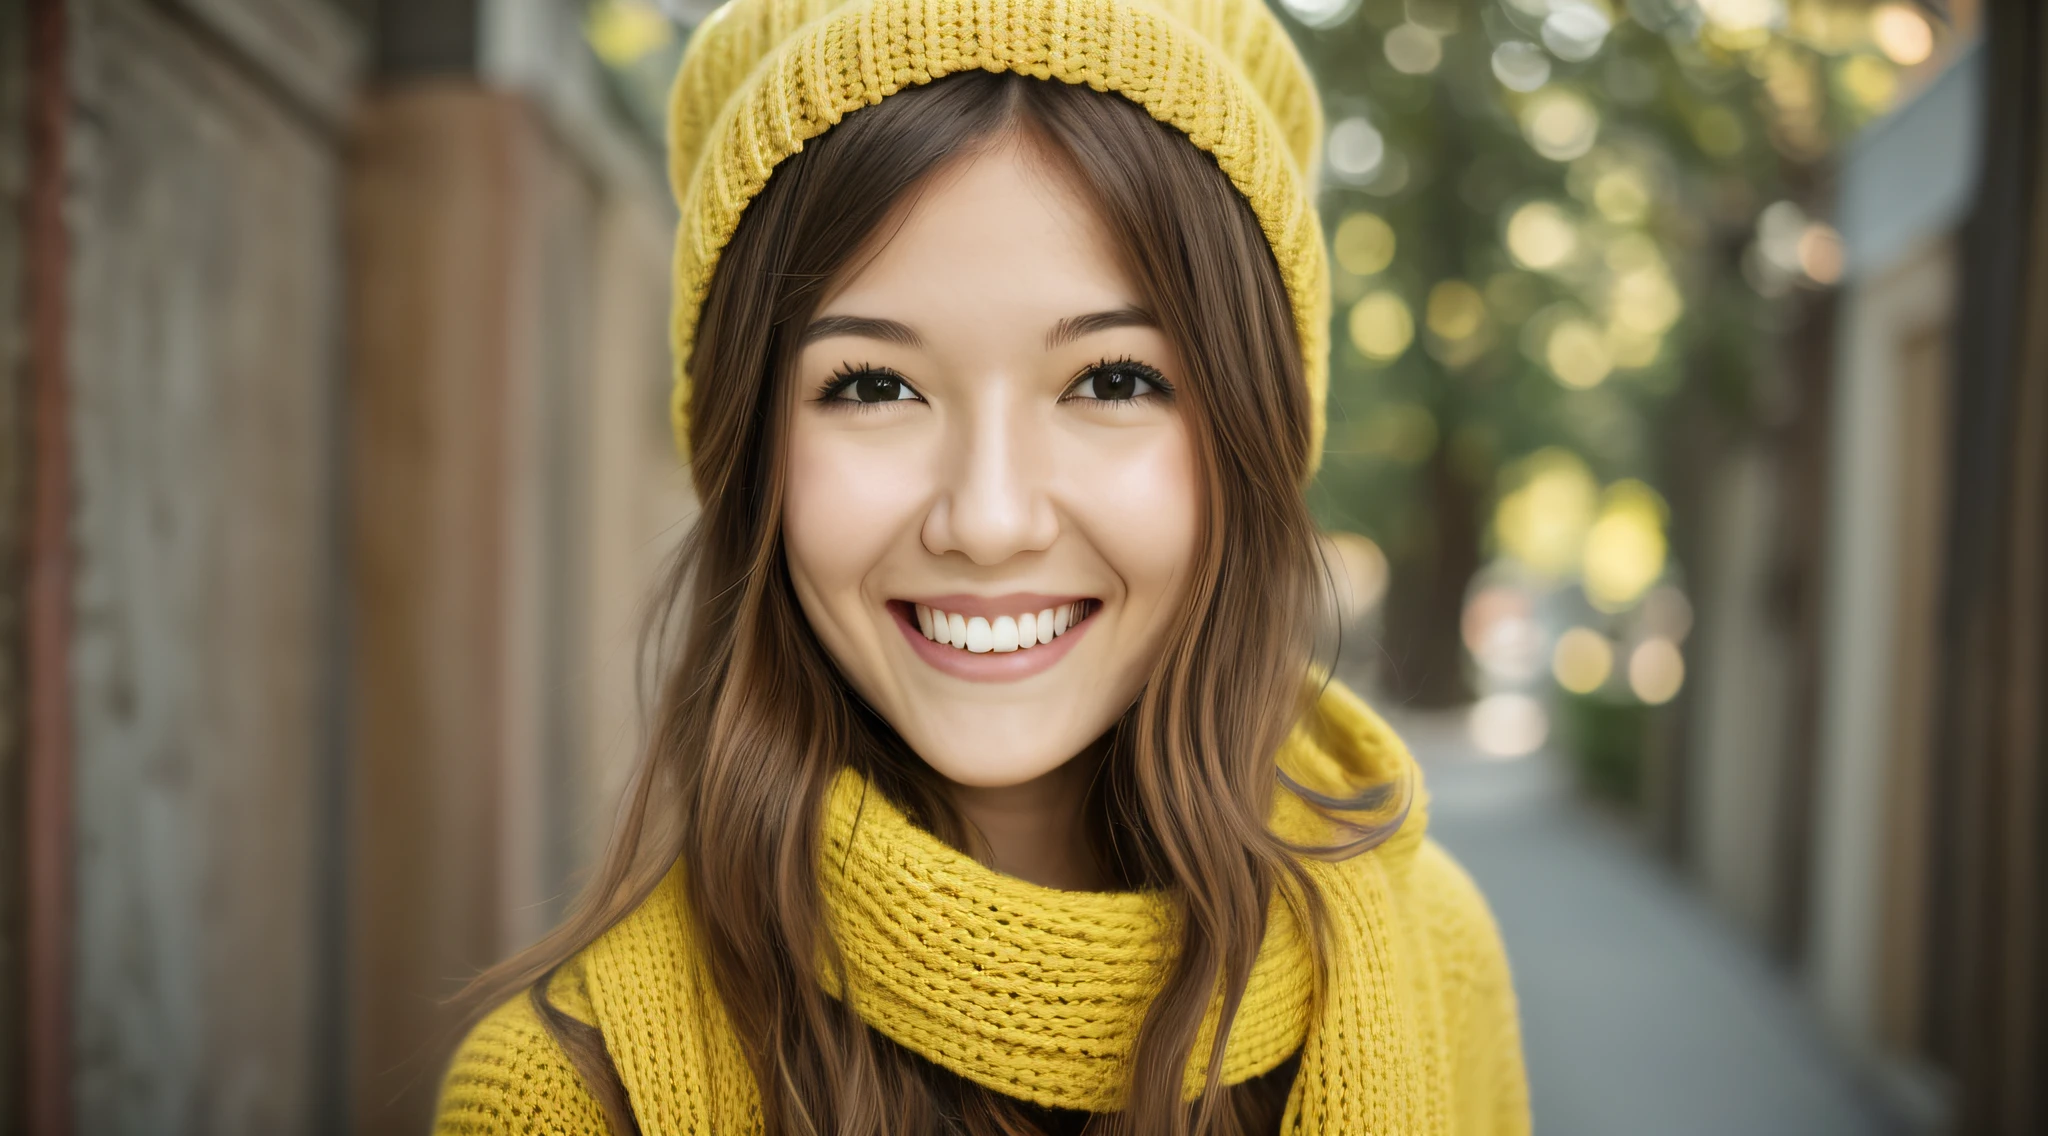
[[1004, 633], [994, 648]]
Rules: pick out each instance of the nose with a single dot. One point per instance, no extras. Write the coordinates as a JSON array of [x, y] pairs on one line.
[[996, 501]]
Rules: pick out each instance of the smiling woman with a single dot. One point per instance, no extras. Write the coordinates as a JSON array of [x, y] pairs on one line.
[[1009, 443], [993, 788]]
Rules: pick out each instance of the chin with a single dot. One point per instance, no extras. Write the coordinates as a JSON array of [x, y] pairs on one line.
[[981, 758]]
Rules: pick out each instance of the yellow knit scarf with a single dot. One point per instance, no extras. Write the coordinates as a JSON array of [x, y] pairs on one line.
[[1039, 993], [1034, 992]]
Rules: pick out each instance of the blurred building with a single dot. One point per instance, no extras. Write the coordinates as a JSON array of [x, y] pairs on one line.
[[1809, 812], [1859, 779], [1903, 195], [342, 339]]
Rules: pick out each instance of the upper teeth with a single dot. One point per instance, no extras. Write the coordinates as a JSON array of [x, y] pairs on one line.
[[1002, 634]]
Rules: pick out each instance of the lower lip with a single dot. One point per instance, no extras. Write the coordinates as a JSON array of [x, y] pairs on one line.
[[990, 666]]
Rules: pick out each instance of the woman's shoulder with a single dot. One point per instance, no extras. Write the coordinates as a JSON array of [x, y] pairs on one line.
[[1482, 1020], [509, 1075], [1454, 912]]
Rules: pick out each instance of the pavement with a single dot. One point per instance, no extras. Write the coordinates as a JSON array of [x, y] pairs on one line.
[[1644, 1014]]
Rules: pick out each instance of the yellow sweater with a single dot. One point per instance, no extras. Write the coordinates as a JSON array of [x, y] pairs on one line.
[[1036, 993]]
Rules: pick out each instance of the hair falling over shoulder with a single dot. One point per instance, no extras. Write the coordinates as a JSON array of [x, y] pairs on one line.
[[751, 721]]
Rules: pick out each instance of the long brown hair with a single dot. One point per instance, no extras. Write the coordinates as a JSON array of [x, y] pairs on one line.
[[751, 719]]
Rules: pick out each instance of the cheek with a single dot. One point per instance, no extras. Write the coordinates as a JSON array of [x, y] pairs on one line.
[[846, 502], [1142, 509]]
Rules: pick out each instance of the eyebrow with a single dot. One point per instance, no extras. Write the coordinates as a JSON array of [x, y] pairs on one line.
[[1074, 327], [890, 331], [863, 327]]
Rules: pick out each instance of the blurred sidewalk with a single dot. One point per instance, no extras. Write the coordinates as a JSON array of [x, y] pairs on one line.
[[1642, 1012]]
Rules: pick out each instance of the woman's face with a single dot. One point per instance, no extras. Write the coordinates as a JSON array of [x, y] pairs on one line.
[[992, 505]]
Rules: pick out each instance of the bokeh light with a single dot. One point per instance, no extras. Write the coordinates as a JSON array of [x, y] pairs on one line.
[[1508, 725], [1743, 15], [1902, 33], [1631, 349], [1575, 29], [1820, 253], [1381, 326], [1629, 252], [1364, 244], [1582, 660], [623, 32], [1499, 630], [1621, 196], [1521, 65], [1576, 352], [1413, 49], [1320, 13], [1358, 573], [1511, 650], [1541, 236], [1644, 300], [1560, 124], [1455, 311], [1489, 606], [1626, 547], [1656, 671], [1542, 521], [1778, 231], [1356, 149]]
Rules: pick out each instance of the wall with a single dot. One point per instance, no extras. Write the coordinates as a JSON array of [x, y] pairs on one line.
[[365, 476], [1743, 724], [1902, 190], [514, 493], [204, 265]]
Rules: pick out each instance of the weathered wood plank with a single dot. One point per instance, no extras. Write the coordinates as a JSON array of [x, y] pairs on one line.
[[513, 487], [204, 344], [453, 332], [305, 47]]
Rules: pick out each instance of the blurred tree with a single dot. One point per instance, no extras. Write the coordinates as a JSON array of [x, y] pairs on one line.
[[1564, 231]]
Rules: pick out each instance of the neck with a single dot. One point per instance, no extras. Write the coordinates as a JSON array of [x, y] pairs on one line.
[[1038, 830]]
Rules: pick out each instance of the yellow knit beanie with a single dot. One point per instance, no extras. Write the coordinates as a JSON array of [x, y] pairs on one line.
[[762, 77]]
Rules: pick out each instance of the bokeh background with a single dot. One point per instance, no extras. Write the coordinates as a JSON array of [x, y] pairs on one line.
[[1687, 488]]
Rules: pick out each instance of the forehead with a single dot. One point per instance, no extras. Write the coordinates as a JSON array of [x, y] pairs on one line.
[[1005, 233]]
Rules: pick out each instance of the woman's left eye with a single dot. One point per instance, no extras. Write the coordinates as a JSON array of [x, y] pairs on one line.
[[1117, 382]]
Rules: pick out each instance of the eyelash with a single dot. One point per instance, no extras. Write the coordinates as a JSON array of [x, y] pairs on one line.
[[1161, 389], [846, 374]]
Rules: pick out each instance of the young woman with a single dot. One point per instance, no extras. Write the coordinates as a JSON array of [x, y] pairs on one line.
[[993, 787]]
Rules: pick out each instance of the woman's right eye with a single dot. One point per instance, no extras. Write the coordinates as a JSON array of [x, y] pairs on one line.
[[871, 387]]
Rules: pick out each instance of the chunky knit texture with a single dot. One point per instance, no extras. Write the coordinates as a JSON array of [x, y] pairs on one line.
[[1061, 979], [762, 77], [1037, 993]]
